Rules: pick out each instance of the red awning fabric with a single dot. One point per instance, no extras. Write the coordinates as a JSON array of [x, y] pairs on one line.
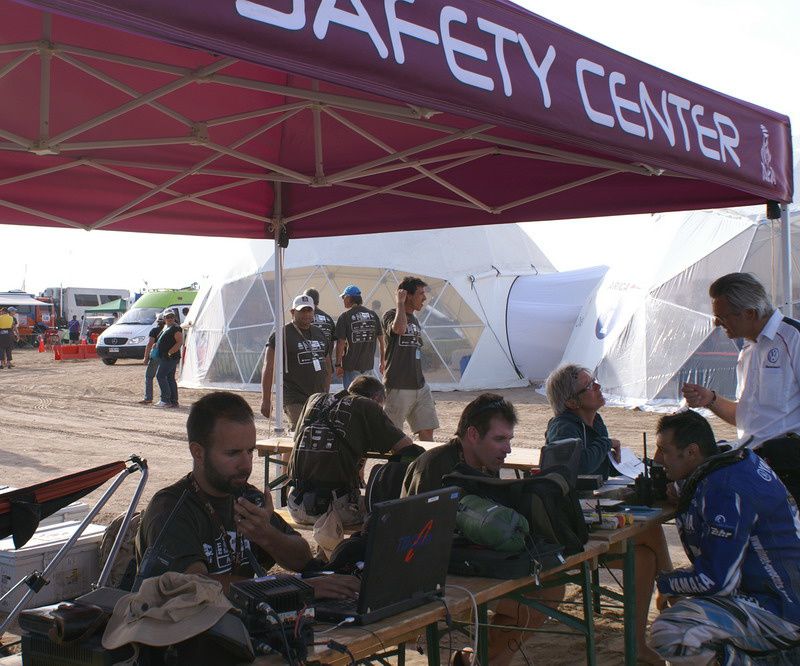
[[218, 117], [23, 508]]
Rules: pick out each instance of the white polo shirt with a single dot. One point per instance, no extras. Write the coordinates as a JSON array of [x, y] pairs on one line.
[[768, 383]]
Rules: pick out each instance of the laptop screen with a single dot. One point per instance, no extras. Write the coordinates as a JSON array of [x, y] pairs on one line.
[[408, 548]]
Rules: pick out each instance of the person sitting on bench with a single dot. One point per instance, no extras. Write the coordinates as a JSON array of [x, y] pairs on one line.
[[482, 441], [740, 530], [333, 435], [212, 522], [576, 397]]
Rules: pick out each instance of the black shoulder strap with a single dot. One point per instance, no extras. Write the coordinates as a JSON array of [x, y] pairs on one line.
[[792, 322], [713, 463]]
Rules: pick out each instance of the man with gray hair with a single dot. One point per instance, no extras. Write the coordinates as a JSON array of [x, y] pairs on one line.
[[766, 411]]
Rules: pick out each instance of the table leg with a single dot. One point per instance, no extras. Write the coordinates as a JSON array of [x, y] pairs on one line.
[[629, 601], [432, 638], [483, 634], [588, 618], [266, 474], [596, 590]]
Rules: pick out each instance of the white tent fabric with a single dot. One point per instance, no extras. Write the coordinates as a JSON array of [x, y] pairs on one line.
[[21, 299], [542, 310], [649, 328], [469, 270]]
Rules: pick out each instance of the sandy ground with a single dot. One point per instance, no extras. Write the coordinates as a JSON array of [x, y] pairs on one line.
[[62, 417]]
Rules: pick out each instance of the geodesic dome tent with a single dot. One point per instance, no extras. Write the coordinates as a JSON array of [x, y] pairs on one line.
[[648, 328], [469, 272]]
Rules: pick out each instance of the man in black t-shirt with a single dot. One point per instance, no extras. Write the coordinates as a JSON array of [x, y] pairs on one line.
[[335, 432], [215, 531], [357, 331], [308, 363], [408, 397], [324, 322], [150, 361], [169, 345]]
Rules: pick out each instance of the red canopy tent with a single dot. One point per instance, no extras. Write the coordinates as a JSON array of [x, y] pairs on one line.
[[298, 118]]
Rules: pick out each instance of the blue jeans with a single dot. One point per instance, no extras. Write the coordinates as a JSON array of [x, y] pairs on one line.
[[149, 375], [165, 375]]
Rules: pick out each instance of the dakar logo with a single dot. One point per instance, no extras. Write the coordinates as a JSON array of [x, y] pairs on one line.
[[412, 542], [772, 355], [767, 172]]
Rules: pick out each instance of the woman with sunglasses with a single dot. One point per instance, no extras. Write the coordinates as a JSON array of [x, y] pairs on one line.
[[576, 397]]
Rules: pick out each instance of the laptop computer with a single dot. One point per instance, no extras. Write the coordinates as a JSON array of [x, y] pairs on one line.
[[406, 557]]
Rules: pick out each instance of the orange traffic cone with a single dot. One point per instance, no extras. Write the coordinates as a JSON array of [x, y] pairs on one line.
[[41, 344], [57, 353]]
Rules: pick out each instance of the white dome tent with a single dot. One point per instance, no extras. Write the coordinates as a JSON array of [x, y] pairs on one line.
[[469, 271], [648, 328]]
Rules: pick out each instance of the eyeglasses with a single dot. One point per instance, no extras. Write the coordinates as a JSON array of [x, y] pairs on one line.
[[593, 385]]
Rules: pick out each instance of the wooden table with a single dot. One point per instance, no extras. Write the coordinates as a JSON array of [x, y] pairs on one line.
[[275, 450], [404, 627], [622, 542]]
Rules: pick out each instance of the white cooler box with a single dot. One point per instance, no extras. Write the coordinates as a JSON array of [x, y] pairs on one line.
[[73, 576]]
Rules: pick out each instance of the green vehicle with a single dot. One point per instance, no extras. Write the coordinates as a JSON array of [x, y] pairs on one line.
[[128, 337]]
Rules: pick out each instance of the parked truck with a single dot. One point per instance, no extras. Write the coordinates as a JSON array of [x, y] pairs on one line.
[[69, 301]]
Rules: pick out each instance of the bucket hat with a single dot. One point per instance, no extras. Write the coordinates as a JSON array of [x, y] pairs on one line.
[[167, 609]]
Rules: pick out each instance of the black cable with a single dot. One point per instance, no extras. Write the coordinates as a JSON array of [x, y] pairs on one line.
[[289, 655], [448, 620], [342, 648]]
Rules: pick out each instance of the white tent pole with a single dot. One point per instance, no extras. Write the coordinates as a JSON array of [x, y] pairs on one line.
[[277, 302], [786, 243]]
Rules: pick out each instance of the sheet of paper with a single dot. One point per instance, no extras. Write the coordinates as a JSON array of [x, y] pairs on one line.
[[629, 464]]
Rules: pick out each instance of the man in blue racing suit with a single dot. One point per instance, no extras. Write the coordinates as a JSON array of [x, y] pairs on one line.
[[740, 598]]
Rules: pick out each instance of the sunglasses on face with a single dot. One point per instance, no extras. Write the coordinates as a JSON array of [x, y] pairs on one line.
[[593, 385]]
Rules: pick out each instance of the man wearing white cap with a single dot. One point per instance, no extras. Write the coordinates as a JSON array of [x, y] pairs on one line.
[[308, 364], [357, 330]]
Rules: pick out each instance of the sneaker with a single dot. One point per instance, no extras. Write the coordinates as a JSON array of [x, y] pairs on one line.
[[161, 403], [145, 402], [10, 365], [174, 404]]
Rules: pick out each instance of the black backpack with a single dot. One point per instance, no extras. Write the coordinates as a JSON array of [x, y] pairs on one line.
[[386, 479], [547, 500]]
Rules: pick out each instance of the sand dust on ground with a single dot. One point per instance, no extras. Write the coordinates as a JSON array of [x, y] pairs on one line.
[[58, 417]]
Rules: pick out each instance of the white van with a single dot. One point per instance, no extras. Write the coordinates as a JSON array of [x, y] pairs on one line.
[[128, 337]]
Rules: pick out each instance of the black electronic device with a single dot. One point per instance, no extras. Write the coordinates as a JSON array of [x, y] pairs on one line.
[[588, 482], [406, 556], [643, 486], [278, 611], [658, 477]]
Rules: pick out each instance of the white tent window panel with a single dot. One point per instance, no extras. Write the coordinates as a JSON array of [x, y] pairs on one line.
[[451, 328], [253, 309], [233, 294]]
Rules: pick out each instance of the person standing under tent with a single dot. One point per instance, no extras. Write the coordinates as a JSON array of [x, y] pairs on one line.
[[408, 397], [169, 355], [308, 362], [324, 322], [766, 411], [151, 361], [357, 331]]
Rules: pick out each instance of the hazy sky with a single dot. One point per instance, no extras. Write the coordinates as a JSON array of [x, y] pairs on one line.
[[744, 48]]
